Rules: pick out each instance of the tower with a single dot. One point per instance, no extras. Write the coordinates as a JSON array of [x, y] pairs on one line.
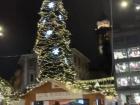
[[104, 44]]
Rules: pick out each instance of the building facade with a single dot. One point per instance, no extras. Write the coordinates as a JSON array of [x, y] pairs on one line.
[[126, 48], [30, 69], [127, 66], [81, 64], [104, 45]]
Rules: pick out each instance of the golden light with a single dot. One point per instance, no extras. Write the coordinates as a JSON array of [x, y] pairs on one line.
[[124, 4], [1, 28]]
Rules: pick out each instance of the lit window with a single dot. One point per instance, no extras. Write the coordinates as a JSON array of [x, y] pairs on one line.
[[137, 98], [135, 80], [134, 52], [123, 82], [120, 54], [134, 66], [121, 67]]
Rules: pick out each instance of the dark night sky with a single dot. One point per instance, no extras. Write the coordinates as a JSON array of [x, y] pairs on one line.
[[19, 19]]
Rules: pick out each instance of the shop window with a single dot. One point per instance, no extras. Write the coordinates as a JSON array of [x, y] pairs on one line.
[[134, 66], [121, 67], [123, 82], [134, 52], [120, 54], [135, 80]]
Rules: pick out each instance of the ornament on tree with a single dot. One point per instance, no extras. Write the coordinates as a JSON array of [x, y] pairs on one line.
[[51, 5], [56, 51], [48, 33], [60, 17]]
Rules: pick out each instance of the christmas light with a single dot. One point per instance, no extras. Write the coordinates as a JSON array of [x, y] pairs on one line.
[[55, 51], [66, 61], [138, 7], [51, 5], [97, 85], [60, 17], [48, 33], [44, 21]]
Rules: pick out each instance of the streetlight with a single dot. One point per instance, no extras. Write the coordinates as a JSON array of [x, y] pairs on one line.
[[124, 4], [1, 31], [138, 7]]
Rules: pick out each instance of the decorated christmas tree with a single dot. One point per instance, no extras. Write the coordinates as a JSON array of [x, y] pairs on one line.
[[52, 43]]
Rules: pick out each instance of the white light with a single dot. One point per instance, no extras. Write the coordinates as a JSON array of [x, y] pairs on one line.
[[60, 17], [48, 33], [97, 85], [66, 61], [44, 21], [138, 7], [55, 51], [51, 5], [1, 97], [124, 4], [1, 34], [137, 98]]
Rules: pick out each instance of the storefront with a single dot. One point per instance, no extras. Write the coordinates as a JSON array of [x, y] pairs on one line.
[[54, 93]]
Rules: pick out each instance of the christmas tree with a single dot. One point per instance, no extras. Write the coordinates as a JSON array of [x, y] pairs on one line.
[[52, 43]]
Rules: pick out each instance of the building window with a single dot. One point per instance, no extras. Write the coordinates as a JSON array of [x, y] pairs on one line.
[[135, 80], [32, 63], [121, 67], [137, 98], [134, 66], [32, 78], [134, 52], [123, 82], [120, 54]]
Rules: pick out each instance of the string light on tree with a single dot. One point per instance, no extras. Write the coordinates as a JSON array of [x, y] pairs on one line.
[[66, 61], [44, 21]]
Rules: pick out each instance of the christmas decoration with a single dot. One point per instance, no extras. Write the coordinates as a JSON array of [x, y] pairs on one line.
[[55, 51], [48, 33], [104, 86], [51, 5], [5, 92], [52, 43]]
